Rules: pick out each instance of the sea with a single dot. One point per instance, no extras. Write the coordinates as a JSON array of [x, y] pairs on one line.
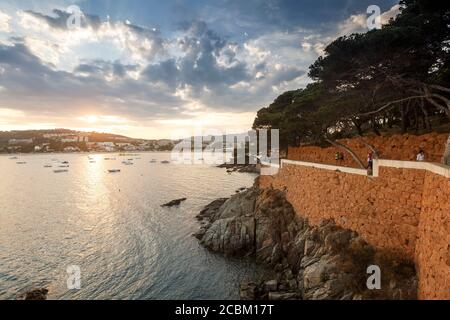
[[88, 234]]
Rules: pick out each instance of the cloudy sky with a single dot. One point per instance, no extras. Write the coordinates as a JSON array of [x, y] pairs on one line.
[[149, 69]]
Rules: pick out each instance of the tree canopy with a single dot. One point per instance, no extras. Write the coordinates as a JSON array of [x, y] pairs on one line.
[[397, 76]]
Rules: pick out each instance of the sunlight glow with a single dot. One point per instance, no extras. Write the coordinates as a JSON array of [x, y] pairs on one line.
[[92, 119]]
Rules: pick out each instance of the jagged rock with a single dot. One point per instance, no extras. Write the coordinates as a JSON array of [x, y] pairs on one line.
[[271, 285], [248, 291], [241, 190], [174, 203], [36, 294], [208, 212], [312, 262], [241, 168], [309, 247], [232, 236], [277, 296]]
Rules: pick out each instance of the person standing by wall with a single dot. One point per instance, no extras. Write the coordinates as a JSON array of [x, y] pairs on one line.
[[339, 157], [421, 156]]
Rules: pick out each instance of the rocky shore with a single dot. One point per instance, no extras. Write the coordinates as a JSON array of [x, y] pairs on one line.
[[309, 262], [241, 168], [35, 294]]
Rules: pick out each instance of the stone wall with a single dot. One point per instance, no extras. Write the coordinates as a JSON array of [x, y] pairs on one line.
[[433, 244], [398, 147], [403, 210]]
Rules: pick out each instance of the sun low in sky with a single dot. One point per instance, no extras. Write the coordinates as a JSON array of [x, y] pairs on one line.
[[147, 68]]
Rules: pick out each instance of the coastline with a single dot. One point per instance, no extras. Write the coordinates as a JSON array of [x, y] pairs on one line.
[[79, 153], [323, 262]]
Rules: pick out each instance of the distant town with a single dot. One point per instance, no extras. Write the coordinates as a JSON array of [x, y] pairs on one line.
[[63, 140]]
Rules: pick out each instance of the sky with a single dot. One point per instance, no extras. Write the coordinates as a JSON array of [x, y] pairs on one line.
[[159, 69]]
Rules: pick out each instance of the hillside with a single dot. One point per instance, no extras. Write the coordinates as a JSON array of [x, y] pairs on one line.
[[64, 140]]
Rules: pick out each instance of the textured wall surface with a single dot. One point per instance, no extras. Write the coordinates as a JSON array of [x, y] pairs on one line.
[[433, 244], [397, 147], [404, 210]]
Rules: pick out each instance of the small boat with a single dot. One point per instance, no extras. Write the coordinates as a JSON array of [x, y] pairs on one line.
[[13, 158], [21, 162], [165, 162], [63, 166], [93, 161], [65, 162], [153, 161], [48, 166], [60, 171], [114, 171]]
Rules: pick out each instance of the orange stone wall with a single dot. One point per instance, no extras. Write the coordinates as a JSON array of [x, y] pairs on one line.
[[433, 244], [404, 210], [396, 147]]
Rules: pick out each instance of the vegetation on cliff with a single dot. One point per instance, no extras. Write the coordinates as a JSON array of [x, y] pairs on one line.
[[396, 77]]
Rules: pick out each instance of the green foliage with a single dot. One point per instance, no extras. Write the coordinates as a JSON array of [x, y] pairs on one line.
[[362, 73]]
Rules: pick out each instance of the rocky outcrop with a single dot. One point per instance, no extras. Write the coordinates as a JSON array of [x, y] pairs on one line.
[[229, 225], [311, 262], [36, 294], [241, 168], [174, 203]]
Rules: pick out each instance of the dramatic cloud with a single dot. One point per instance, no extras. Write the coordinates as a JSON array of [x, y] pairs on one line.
[[4, 22], [60, 19], [175, 66]]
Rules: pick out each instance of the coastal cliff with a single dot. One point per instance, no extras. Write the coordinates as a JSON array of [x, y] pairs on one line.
[[310, 262]]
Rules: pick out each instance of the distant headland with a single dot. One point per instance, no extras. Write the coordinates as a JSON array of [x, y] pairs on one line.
[[65, 140]]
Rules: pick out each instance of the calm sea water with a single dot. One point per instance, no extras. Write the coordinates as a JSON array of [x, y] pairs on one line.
[[113, 228]]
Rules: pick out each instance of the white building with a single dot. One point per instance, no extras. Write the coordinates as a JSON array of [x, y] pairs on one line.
[[71, 149], [20, 141], [105, 144], [69, 139], [75, 139], [54, 135]]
